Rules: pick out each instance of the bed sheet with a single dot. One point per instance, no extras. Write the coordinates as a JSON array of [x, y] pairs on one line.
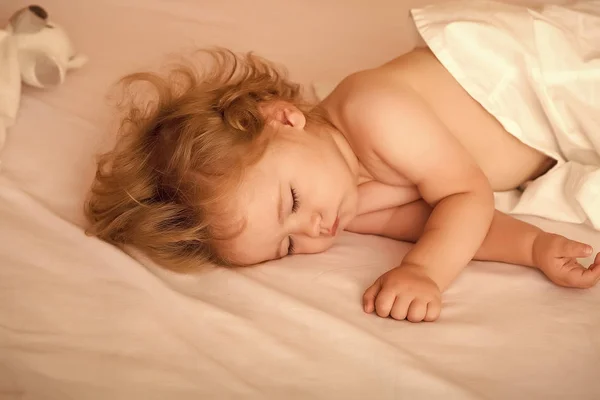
[[80, 319]]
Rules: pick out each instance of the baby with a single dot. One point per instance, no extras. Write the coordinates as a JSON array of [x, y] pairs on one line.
[[231, 166]]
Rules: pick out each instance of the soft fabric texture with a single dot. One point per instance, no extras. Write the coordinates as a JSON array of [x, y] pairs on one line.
[[537, 70], [80, 319]]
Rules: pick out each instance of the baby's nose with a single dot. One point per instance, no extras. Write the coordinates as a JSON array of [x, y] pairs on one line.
[[313, 226]]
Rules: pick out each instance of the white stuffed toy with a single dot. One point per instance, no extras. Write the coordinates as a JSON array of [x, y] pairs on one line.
[[33, 50]]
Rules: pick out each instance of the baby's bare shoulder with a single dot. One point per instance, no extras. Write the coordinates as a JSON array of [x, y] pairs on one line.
[[361, 101], [366, 84], [390, 123]]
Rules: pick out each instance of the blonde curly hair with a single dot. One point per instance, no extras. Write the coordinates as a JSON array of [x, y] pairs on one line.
[[181, 152]]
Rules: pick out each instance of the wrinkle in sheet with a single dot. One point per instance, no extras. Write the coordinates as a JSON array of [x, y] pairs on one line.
[[417, 362]]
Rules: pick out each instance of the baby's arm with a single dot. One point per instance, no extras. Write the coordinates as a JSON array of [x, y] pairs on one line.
[[400, 136], [509, 240], [517, 242]]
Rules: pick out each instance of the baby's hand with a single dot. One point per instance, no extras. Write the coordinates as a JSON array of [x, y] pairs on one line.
[[556, 256], [405, 292]]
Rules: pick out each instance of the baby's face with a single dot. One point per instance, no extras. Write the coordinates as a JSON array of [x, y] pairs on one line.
[[296, 199]]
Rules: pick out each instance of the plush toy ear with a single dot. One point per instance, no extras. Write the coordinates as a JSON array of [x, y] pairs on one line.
[[29, 20], [47, 72], [40, 70]]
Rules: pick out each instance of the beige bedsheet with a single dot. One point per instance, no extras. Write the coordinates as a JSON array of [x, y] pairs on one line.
[[82, 320]]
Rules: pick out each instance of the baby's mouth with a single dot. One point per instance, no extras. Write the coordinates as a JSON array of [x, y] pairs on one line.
[[335, 226]]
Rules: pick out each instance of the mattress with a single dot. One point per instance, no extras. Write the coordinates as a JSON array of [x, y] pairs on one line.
[[80, 319]]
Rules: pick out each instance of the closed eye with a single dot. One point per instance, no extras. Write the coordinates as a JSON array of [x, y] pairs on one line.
[[295, 205], [295, 201]]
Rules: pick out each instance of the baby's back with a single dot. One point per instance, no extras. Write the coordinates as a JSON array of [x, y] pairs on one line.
[[505, 160]]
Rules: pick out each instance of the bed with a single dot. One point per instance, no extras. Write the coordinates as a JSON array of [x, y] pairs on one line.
[[80, 319]]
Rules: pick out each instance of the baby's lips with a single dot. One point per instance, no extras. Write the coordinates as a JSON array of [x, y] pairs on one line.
[[335, 226]]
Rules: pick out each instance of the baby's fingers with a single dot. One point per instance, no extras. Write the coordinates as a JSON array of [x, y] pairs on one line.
[[580, 277], [571, 248], [402, 305], [417, 311], [384, 303], [370, 295], [434, 309]]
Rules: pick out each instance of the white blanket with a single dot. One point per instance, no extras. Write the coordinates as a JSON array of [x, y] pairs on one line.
[[538, 72]]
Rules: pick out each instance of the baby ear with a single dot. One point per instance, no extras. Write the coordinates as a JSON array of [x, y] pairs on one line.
[[284, 113], [294, 117]]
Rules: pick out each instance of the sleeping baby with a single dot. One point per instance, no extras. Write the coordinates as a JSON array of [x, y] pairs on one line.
[[227, 164]]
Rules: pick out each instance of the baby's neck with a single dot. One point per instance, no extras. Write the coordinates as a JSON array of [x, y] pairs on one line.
[[360, 173]]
